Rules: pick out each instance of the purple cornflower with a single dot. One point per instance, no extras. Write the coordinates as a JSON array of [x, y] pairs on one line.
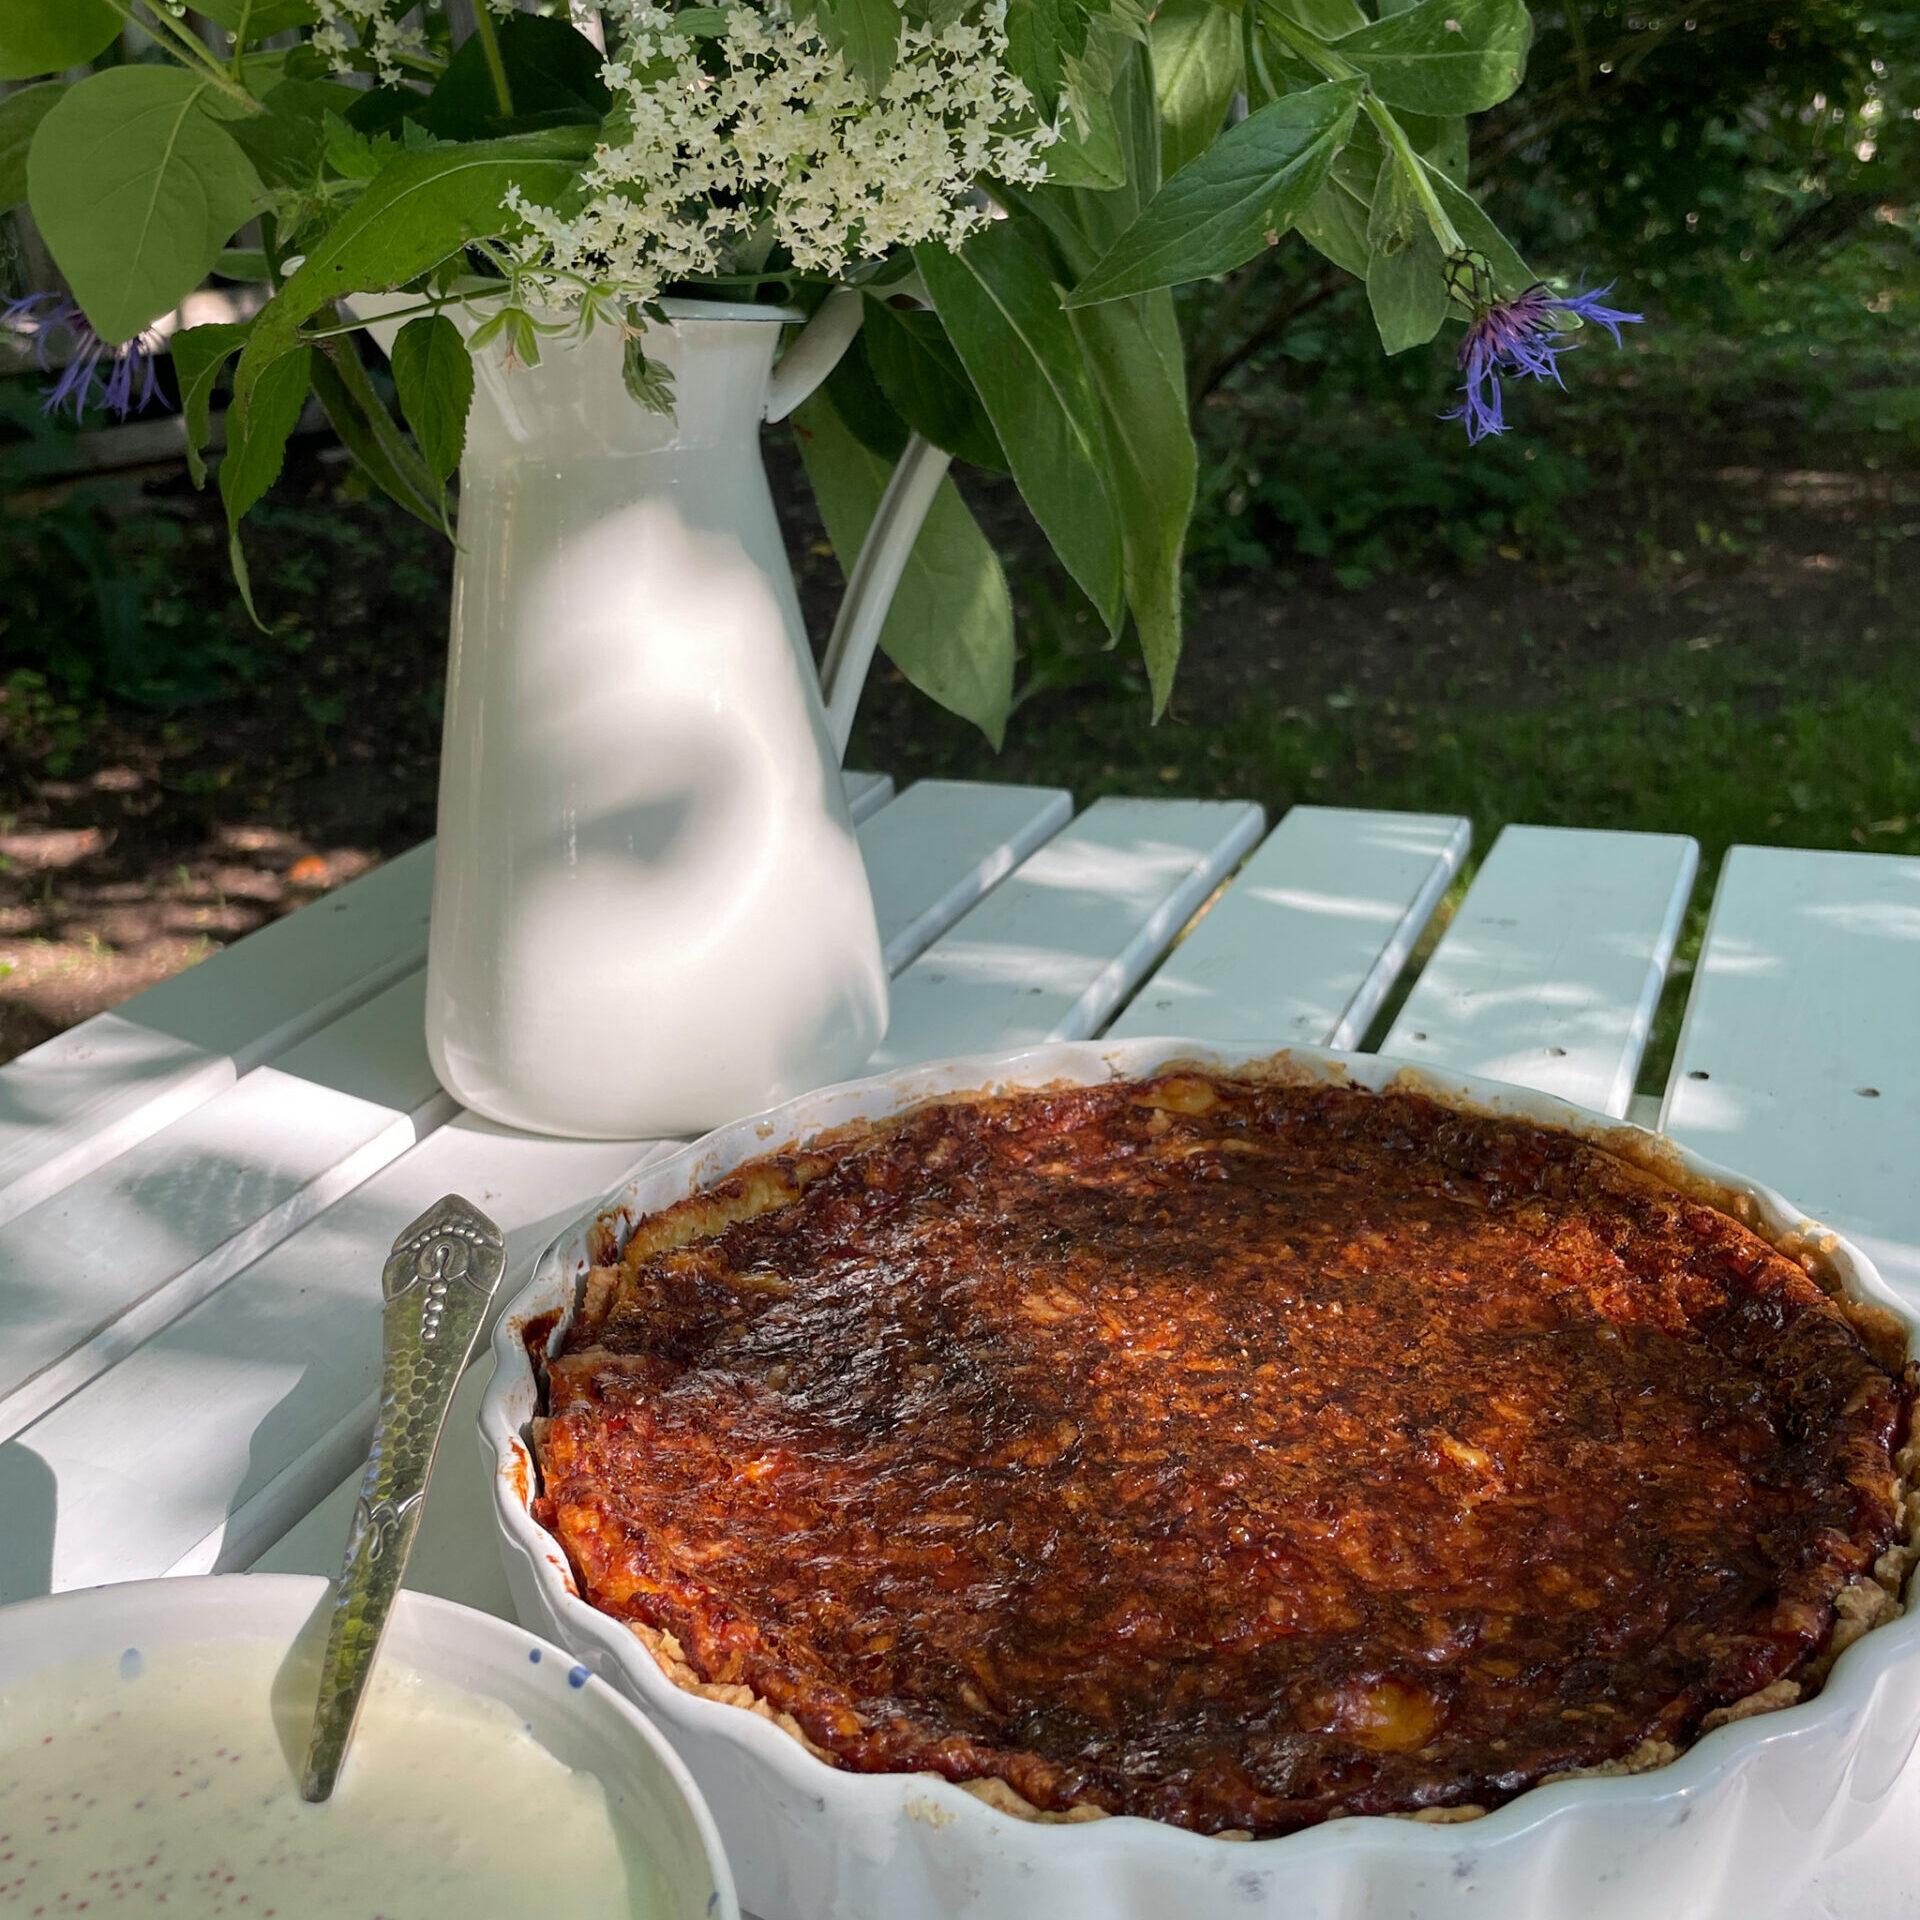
[[119, 376], [1519, 339]]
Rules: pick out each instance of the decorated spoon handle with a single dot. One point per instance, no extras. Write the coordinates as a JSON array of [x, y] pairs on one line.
[[438, 1283]]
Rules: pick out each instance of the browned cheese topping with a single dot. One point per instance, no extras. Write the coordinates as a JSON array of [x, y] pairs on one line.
[[1221, 1451]]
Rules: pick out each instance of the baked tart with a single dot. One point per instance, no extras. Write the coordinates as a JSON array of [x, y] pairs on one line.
[[1227, 1450]]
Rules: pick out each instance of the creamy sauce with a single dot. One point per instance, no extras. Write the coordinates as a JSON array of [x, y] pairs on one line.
[[160, 1783]]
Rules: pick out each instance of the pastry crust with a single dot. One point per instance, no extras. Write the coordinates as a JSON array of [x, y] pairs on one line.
[[1236, 1453]]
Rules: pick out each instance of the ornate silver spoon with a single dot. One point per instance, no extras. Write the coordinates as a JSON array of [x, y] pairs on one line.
[[438, 1281]]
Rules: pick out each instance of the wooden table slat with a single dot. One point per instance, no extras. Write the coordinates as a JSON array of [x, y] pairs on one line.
[[1051, 952], [104, 1263], [867, 793], [1549, 974], [76, 1101], [1799, 1058], [941, 845], [1310, 937]]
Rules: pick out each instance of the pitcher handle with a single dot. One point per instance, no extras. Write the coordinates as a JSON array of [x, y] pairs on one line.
[[903, 509], [883, 559]]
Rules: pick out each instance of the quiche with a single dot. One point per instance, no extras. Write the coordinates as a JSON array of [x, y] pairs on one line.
[[1231, 1451]]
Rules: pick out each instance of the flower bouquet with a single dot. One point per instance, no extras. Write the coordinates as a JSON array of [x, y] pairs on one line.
[[1008, 190]]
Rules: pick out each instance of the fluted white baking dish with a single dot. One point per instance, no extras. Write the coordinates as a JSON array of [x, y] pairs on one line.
[[1728, 1828]]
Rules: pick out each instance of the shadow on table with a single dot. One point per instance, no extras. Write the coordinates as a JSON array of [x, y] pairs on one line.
[[29, 1502], [296, 1345]]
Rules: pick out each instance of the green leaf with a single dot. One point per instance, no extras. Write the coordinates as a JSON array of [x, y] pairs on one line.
[[863, 408], [1042, 35], [20, 115], [1196, 72], [937, 14], [242, 263], [46, 36], [1087, 154], [382, 109], [1093, 74], [420, 208], [1357, 165], [136, 187], [1133, 355], [1407, 274], [261, 70], [1395, 213], [1241, 195], [433, 375], [265, 16], [287, 143], [866, 35], [552, 69], [357, 434], [649, 383], [1278, 71], [353, 155], [254, 457], [1101, 218], [915, 366], [1132, 349], [1327, 18], [1444, 56], [257, 449], [950, 628], [1444, 142], [1334, 224], [198, 354], [1002, 311]]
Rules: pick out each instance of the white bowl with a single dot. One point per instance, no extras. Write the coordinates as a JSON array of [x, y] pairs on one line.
[[1733, 1824], [590, 1727]]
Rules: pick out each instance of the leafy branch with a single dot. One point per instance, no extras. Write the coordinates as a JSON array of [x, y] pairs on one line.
[[1326, 60], [176, 39]]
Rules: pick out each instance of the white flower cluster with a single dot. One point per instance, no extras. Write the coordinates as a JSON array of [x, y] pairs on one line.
[[375, 25], [773, 140]]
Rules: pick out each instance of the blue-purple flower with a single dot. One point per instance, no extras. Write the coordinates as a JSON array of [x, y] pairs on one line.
[[1520, 339], [118, 376]]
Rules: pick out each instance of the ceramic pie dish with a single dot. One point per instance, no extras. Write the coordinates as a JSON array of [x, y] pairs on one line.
[[810, 1838]]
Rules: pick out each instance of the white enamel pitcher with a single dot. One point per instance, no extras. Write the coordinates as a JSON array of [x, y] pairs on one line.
[[650, 912]]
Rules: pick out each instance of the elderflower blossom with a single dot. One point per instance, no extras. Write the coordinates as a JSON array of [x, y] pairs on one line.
[[345, 26], [773, 137]]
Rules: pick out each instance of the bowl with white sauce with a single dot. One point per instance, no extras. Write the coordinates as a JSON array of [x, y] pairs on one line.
[[150, 1743]]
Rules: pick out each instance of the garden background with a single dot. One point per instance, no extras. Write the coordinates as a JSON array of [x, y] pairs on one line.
[[1683, 595]]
